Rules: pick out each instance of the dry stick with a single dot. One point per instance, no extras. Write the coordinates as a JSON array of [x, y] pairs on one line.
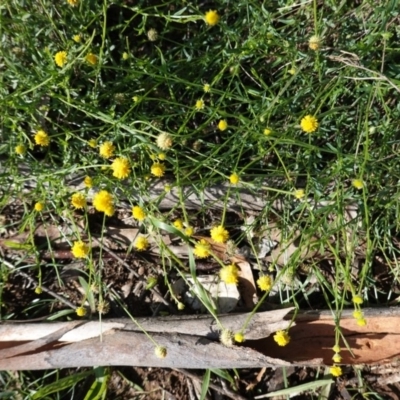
[[36, 283], [126, 265], [226, 392]]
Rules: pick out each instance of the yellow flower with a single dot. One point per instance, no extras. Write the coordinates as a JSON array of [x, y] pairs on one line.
[[357, 314], [309, 124], [78, 200], [314, 42], [88, 181], [160, 351], [77, 38], [357, 183], [336, 348], [234, 179], [80, 311], [103, 202], [282, 338], [39, 206], [161, 156], [141, 243], [222, 125], [38, 290], [239, 337], [299, 193], [202, 249], [230, 274], [107, 150], [60, 58], [178, 224], [219, 234], [167, 188], [92, 143], [211, 17], [264, 283], [189, 231], [337, 358], [152, 34], [357, 299], [138, 213], [292, 71], [158, 169], [361, 322], [335, 370], [181, 306], [226, 337], [267, 132], [164, 141], [80, 249], [125, 55], [42, 138], [91, 58], [206, 87], [20, 149], [121, 168], [199, 104]]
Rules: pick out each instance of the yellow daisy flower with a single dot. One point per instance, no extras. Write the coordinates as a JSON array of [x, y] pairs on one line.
[[264, 283], [91, 58], [42, 138], [229, 274], [80, 311], [211, 17], [77, 38], [314, 42], [20, 149], [357, 183], [222, 125], [80, 249], [189, 231], [234, 179], [78, 200], [202, 249], [219, 234], [178, 224], [38, 206], [103, 202], [107, 150], [309, 124], [299, 193], [199, 104], [141, 243], [357, 299], [206, 87], [88, 181], [239, 337], [335, 370], [282, 338], [158, 169], [160, 351], [138, 213], [61, 58], [121, 168]]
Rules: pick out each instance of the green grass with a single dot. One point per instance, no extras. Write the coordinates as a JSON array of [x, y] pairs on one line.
[[261, 75]]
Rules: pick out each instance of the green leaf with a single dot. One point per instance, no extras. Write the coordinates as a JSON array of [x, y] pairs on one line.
[[205, 385], [98, 390], [299, 389]]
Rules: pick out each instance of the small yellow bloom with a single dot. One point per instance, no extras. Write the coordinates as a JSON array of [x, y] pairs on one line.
[[161, 156], [357, 299], [138, 213], [92, 143], [199, 104], [206, 87], [239, 337], [211, 17], [178, 224], [38, 290], [361, 322], [358, 314], [158, 169], [292, 71], [282, 338], [299, 193], [309, 124], [219, 234], [189, 231], [80, 311], [80, 249], [314, 42], [103, 202], [88, 181], [121, 168], [42, 138], [91, 58], [357, 183], [78, 200], [141, 243], [39, 206], [267, 132], [335, 370], [337, 358], [152, 34], [264, 283], [135, 99], [107, 150], [226, 337], [60, 58], [222, 125], [125, 55], [234, 179], [167, 188], [181, 306], [20, 149], [160, 352], [229, 274], [77, 38], [164, 141], [202, 249], [336, 348]]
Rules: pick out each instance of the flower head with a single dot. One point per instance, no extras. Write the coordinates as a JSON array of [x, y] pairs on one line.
[[77, 38], [141, 243], [42, 138], [222, 125], [121, 168], [336, 348], [60, 58], [199, 104], [219, 234], [358, 314], [230, 274], [88, 181], [38, 290], [138, 213], [158, 169], [181, 306], [202, 249], [164, 141], [206, 87], [152, 34], [78, 200], [103, 202], [282, 338], [80, 311], [337, 358], [267, 131], [357, 299], [161, 156], [178, 224], [234, 179], [335, 370], [361, 322], [309, 124], [39, 206], [239, 337], [264, 283], [20, 149], [91, 58], [160, 351], [212, 17], [80, 249], [357, 183], [299, 194], [92, 143], [107, 150], [314, 42], [189, 231], [226, 337]]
